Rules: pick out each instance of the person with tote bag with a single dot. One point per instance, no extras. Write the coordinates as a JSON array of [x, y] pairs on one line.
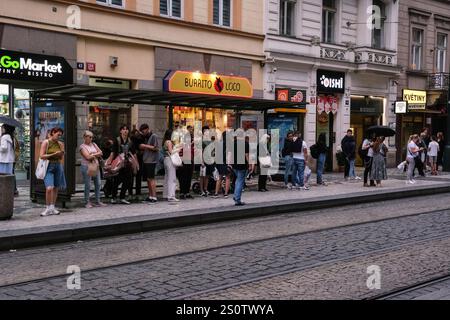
[[53, 151], [90, 155]]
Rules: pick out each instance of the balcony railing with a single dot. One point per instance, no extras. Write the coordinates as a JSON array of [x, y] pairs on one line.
[[438, 81], [370, 55]]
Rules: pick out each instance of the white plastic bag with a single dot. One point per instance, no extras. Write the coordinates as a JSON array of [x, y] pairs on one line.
[[401, 166], [41, 169]]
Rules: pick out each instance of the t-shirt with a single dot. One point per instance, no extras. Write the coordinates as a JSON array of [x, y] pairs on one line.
[[240, 160], [434, 148], [91, 149], [151, 156], [411, 146], [300, 155]]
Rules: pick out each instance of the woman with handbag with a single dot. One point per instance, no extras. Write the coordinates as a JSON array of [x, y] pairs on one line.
[[53, 151], [7, 155], [119, 159], [171, 161], [90, 168]]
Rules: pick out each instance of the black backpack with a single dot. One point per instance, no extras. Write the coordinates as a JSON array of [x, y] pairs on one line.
[[362, 153], [314, 151]]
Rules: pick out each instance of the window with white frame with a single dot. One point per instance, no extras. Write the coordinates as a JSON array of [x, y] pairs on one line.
[[328, 20], [378, 27], [287, 14], [441, 51], [113, 3], [416, 49], [171, 8], [222, 13]]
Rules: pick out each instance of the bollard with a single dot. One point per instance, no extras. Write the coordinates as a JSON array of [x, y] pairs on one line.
[[6, 196]]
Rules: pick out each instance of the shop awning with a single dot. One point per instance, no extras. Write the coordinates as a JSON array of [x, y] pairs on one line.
[[155, 97]]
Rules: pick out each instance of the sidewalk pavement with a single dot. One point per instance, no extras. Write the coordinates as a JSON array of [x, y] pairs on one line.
[[27, 228]]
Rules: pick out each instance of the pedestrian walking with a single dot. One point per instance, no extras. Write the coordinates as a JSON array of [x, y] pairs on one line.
[[322, 151], [367, 155], [300, 156], [170, 177], [90, 168], [7, 155], [378, 170], [286, 153], [53, 150], [241, 160], [420, 160], [433, 151]]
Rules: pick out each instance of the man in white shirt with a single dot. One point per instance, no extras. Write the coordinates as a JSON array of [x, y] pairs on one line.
[[433, 149], [299, 155]]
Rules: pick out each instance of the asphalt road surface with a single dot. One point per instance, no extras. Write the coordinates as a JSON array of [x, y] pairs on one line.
[[352, 252]]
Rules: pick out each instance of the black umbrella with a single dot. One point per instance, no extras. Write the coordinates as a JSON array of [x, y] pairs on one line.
[[381, 131], [10, 122]]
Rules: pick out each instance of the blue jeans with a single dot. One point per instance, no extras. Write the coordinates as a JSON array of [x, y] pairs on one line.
[[87, 184], [288, 171], [320, 166], [239, 184], [55, 176], [352, 173], [298, 172]]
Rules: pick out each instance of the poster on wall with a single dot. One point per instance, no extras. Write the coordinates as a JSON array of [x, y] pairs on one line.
[[46, 117], [284, 125]]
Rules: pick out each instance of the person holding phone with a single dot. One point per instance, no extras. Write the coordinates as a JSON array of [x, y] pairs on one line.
[[53, 150]]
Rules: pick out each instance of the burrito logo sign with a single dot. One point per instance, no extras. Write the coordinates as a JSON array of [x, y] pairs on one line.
[[34, 67], [212, 84]]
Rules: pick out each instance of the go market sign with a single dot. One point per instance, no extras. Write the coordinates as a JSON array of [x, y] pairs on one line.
[[34, 67], [212, 84]]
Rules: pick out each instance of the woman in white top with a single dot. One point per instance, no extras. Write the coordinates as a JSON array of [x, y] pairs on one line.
[[411, 153], [170, 177], [90, 155], [7, 155]]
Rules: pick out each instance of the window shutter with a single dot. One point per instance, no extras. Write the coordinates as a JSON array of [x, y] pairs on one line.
[[216, 10], [163, 7], [227, 13], [176, 8]]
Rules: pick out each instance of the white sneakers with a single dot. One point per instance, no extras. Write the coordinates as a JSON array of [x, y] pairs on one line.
[[411, 181], [173, 200], [50, 210]]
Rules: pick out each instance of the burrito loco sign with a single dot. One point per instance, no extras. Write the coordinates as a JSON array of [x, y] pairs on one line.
[[212, 84], [34, 67]]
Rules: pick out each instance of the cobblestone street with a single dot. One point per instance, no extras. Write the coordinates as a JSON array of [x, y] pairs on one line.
[[320, 254]]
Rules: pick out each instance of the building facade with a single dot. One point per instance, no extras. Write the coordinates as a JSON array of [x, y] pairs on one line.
[[424, 28], [342, 58], [134, 44]]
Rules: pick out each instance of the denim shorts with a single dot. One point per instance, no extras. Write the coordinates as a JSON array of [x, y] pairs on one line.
[[55, 176]]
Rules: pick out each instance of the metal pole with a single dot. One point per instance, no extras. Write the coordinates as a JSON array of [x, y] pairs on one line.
[[446, 160]]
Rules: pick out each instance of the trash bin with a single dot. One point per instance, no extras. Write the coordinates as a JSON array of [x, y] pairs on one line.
[[6, 196]]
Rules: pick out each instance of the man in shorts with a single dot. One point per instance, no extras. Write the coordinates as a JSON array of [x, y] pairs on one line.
[[150, 158]]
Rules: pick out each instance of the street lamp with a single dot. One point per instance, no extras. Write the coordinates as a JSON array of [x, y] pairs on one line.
[[446, 164]]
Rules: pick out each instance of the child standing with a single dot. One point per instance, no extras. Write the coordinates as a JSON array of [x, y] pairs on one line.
[[433, 149]]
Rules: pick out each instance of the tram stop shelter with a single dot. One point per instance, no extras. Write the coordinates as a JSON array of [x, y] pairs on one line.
[[55, 106]]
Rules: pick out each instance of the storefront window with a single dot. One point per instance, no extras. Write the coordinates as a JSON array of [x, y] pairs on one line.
[[4, 99], [22, 114], [105, 120], [199, 117]]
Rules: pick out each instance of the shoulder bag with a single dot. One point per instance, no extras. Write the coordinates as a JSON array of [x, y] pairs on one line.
[[41, 169]]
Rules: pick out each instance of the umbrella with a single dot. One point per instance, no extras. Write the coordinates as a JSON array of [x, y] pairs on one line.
[[381, 131], [10, 122]]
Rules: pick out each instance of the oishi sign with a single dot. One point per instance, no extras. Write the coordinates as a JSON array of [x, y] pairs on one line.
[[330, 81], [34, 67], [212, 84]]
